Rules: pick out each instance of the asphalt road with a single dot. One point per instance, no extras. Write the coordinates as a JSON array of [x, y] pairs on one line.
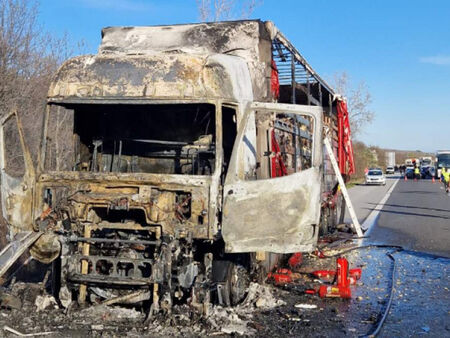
[[416, 215], [365, 197]]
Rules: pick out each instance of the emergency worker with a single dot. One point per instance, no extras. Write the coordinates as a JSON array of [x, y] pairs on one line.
[[417, 173], [446, 178]]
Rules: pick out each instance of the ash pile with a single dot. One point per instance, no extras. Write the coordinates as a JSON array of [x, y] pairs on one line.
[[29, 309]]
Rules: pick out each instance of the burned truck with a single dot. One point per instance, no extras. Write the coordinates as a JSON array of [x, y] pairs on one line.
[[175, 164]]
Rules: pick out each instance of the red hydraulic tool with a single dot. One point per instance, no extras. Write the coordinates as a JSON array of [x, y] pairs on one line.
[[283, 276], [342, 287], [354, 274], [295, 260]]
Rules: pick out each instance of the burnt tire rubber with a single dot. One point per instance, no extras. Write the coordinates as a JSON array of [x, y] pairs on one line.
[[232, 282]]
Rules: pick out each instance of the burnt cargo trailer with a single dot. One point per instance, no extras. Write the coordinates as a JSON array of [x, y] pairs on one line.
[[177, 160]]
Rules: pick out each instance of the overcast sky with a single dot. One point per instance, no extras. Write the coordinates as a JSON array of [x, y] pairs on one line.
[[400, 48]]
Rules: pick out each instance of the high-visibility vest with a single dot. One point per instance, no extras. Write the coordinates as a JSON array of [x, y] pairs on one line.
[[416, 171], [446, 175]]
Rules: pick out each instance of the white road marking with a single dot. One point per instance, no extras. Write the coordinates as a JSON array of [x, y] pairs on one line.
[[371, 219]]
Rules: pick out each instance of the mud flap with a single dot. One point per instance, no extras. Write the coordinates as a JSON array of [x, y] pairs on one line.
[[12, 252]]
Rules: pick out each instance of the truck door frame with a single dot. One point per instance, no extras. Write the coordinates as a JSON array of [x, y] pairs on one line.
[[17, 192], [279, 214]]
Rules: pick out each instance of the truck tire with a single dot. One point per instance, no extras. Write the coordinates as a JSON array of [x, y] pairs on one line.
[[232, 282]]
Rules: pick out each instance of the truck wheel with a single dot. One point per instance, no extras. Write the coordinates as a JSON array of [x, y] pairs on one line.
[[232, 282]]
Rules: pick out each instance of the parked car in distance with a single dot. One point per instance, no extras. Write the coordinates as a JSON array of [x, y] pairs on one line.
[[390, 170], [375, 176]]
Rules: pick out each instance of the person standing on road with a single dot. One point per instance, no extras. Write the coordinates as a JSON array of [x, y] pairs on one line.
[[417, 173], [446, 178]]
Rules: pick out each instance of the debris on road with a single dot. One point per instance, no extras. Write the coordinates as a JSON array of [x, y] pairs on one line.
[[43, 302], [17, 333], [267, 310], [306, 306], [261, 297], [105, 313], [8, 301]]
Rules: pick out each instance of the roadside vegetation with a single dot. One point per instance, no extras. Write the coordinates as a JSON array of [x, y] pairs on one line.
[[29, 56]]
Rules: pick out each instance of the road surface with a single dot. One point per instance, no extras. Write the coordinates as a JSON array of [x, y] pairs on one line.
[[412, 214], [416, 216], [363, 198]]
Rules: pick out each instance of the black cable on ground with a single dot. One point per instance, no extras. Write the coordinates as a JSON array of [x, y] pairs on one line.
[[377, 330]]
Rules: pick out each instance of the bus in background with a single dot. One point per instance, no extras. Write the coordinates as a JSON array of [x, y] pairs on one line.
[[442, 161]]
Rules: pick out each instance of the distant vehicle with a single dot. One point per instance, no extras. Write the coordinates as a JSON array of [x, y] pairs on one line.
[[426, 161], [409, 173], [426, 171], [390, 158], [390, 170], [442, 161], [375, 176]]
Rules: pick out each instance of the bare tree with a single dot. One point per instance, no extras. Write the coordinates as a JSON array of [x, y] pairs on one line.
[[28, 59], [358, 101], [216, 10]]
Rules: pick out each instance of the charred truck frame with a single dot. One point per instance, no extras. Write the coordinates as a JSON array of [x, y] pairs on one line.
[[176, 161]]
